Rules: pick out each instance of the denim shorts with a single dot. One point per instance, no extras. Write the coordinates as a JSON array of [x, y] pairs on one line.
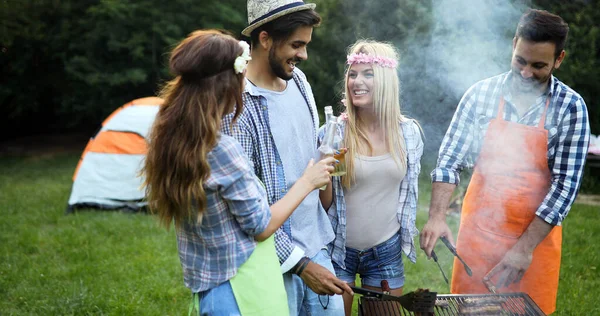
[[219, 301], [373, 265]]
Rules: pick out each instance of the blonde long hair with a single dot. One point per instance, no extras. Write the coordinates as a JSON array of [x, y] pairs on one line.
[[187, 125], [386, 101]]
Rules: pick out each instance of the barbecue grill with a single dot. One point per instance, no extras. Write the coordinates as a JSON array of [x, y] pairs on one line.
[[505, 304]]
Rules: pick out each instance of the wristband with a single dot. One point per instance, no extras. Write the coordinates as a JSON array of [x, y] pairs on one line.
[[297, 269], [304, 264]]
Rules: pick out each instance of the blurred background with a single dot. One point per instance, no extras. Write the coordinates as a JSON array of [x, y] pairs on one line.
[[67, 64]]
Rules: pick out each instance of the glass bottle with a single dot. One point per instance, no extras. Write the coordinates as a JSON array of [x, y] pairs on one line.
[[340, 168], [327, 148], [328, 113]]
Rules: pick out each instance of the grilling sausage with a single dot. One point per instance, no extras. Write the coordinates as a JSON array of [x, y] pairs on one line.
[[483, 300], [480, 310]]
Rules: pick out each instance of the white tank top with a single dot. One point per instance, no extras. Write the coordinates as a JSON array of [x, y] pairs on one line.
[[372, 203]]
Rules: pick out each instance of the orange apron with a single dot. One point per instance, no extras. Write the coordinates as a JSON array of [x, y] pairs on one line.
[[510, 180]]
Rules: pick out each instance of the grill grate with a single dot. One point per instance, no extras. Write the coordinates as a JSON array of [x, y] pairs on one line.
[[511, 304]]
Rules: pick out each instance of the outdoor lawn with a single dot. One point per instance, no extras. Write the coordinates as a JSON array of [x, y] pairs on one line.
[[113, 263]]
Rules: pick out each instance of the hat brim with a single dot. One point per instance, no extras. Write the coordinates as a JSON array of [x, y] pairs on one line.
[[247, 31]]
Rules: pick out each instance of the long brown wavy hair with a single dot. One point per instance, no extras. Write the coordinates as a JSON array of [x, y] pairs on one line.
[[187, 125]]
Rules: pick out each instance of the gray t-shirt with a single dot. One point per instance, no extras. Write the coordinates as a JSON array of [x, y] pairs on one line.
[[372, 202], [293, 131]]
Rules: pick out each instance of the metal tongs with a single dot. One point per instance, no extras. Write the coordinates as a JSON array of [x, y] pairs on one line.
[[435, 258], [453, 251], [489, 285], [420, 301]]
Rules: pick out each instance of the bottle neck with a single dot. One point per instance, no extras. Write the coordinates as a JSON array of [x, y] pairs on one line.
[[331, 130], [328, 114]]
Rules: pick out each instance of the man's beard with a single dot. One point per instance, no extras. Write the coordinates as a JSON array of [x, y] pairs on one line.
[[531, 85], [277, 65]]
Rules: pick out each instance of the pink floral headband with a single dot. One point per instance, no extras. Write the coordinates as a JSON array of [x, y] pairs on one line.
[[362, 58]]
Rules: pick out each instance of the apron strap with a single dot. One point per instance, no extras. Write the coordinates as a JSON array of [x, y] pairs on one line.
[[542, 119], [194, 304], [500, 115]]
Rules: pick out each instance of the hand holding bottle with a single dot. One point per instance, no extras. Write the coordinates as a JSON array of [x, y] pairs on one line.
[[319, 174], [340, 168]]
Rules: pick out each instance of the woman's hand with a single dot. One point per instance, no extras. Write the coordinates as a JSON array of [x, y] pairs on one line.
[[319, 174], [315, 176]]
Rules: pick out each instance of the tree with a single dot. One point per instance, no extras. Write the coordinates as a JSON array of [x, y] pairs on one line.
[[582, 61], [67, 64]]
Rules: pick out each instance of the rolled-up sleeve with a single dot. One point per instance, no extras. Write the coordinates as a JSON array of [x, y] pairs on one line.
[[457, 142], [567, 169], [240, 189], [248, 203]]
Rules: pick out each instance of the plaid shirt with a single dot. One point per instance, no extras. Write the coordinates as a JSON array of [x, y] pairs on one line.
[[568, 137], [253, 132], [407, 200], [236, 211]]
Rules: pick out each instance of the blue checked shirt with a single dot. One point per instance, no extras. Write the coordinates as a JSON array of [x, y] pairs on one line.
[[253, 131], [568, 137], [407, 200], [236, 211]]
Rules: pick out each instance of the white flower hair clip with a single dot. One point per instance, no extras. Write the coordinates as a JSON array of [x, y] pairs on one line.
[[242, 61]]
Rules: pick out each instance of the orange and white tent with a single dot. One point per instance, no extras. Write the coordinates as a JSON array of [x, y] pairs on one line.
[[107, 174]]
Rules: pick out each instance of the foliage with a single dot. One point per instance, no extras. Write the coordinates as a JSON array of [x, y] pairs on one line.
[[580, 69], [30, 62], [67, 64], [71, 63]]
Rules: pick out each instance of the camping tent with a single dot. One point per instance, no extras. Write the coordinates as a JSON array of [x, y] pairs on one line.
[[107, 174]]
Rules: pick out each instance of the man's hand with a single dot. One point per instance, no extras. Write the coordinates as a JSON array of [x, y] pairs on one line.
[[436, 225], [322, 281], [434, 229], [518, 259], [511, 268]]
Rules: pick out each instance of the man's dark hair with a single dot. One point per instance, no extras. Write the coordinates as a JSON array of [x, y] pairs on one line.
[[543, 26], [282, 28]]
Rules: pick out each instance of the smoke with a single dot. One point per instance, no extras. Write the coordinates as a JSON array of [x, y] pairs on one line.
[[471, 40], [445, 47], [465, 41]]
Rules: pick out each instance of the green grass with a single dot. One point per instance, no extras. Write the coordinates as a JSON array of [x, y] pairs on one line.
[[112, 263], [89, 263]]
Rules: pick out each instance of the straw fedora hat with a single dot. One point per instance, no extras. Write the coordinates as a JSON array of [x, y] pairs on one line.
[[264, 11]]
